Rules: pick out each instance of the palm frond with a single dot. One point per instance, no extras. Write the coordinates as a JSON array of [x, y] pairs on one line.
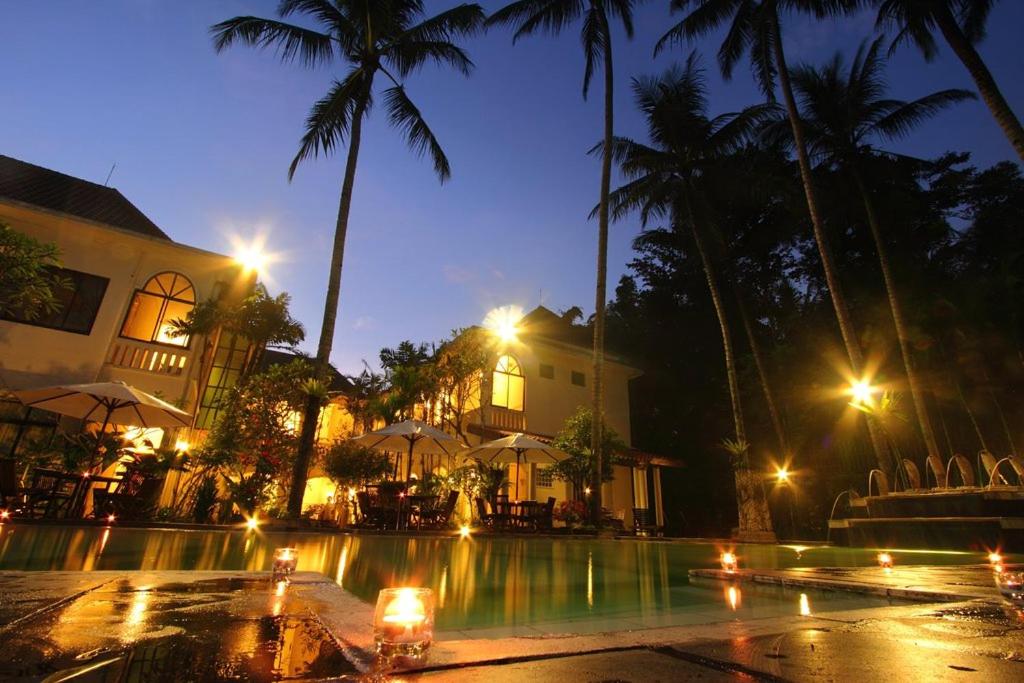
[[293, 43], [904, 119], [330, 119], [527, 17], [594, 37], [405, 116], [707, 17], [407, 56]]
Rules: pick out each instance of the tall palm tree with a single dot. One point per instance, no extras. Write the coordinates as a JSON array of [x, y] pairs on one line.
[[755, 27], [673, 178], [843, 112], [962, 25], [526, 17], [382, 40]]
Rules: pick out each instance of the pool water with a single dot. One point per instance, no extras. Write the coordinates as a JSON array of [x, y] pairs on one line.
[[535, 585]]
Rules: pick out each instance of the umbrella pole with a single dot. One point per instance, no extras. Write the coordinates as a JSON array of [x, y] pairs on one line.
[[408, 473], [99, 436], [518, 472]]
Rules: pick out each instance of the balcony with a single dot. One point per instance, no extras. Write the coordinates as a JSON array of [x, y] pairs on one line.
[[507, 420], [148, 358]]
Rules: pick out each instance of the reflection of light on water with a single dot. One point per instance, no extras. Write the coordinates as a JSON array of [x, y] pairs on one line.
[[443, 588], [340, 578], [798, 549], [103, 541], [136, 616], [279, 595], [733, 597], [805, 605], [590, 579]]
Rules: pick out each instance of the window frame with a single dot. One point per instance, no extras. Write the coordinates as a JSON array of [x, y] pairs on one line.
[[581, 375], [521, 375], [549, 367], [165, 300], [548, 476], [72, 275]]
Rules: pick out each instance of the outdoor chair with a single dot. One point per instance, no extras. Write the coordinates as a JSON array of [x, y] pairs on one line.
[[439, 517], [545, 516], [486, 518], [965, 469], [370, 516], [644, 523], [51, 494], [11, 495], [615, 521], [136, 497]]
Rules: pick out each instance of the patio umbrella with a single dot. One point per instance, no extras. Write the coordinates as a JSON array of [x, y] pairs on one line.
[[517, 449], [411, 436], [106, 403]]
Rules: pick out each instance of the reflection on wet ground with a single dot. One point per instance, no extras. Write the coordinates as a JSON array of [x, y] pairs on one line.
[[211, 630]]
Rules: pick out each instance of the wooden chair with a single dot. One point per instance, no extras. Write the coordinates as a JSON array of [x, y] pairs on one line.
[[439, 517], [51, 494], [370, 516], [136, 497], [486, 518], [644, 523], [544, 521], [11, 495]]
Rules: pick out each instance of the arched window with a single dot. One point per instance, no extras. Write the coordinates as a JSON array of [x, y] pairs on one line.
[[166, 297], [508, 387]]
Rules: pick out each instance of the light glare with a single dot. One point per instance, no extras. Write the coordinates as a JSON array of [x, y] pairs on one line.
[[503, 322]]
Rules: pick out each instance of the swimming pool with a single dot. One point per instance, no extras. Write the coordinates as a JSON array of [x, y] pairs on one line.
[[531, 585]]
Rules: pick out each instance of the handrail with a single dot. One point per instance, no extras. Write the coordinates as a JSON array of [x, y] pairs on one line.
[[995, 472]]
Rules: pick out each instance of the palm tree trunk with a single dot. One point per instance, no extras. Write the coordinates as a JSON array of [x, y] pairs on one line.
[[846, 329], [597, 421], [762, 373], [987, 86], [307, 436], [750, 499], [916, 388]]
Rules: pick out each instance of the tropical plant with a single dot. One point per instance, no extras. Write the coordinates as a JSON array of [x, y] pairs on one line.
[[459, 368], [259, 318], [388, 40], [844, 112], [962, 25], [527, 17], [755, 27], [350, 464], [580, 469], [364, 400], [28, 281]]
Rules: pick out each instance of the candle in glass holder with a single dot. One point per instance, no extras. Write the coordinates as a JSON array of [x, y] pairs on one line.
[[403, 625], [1011, 586], [285, 562], [729, 561]]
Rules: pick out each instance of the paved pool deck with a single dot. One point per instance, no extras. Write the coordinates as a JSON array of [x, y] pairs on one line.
[[179, 625]]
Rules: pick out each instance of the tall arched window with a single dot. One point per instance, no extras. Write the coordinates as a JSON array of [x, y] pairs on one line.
[[166, 297], [508, 386]]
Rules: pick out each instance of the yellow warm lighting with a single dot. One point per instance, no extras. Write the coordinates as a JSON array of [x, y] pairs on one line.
[[252, 523], [729, 561], [5, 514], [805, 605], [111, 518], [861, 392], [782, 475], [406, 609], [251, 256], [995, 558], [733, 597], [182, 446], [885, 560], [586, 491], [503, 322], [464, 531]]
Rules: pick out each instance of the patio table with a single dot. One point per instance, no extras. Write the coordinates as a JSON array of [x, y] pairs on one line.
[[417, 504]]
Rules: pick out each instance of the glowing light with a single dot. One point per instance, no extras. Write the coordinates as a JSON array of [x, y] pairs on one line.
[[590, 580], [729, 561], [733, 597], [503, 322], [5, 514], [586, 491], [251, 256], [782, 475], [351, 494], [280, 588], [805, 605], [995, 558], [861, 393], [464, 531], [182, 446], [406, 609], [252, 523], [885, 560], [111, 518]]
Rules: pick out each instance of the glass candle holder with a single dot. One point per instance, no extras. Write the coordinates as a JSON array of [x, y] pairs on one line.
[[403, 625], [285, 562], [1011, 586]]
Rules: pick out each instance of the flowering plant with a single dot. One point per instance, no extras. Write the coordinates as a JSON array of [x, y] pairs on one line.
[[570, 511]]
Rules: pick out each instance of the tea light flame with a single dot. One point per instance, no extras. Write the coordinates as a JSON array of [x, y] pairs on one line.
[[729, 561], [885, 560]]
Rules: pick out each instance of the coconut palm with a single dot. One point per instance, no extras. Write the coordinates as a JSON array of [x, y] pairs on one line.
[[526, 17], [844, 111], [755, 27], [962, 25], [673, 178], [374, 41]]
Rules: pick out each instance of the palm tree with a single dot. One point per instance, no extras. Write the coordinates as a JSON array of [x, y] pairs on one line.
[[527, 17], [756, 28], [673, 178], [843, 111], [962, 24], [387, 40]]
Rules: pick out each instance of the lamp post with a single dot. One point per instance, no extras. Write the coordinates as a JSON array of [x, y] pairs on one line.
[[783, 479]]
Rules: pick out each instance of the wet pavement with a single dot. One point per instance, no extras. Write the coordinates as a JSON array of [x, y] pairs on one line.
[[140, 627], [226, 626]]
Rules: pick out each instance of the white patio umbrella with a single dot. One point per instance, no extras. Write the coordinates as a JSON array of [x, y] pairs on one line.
[[107, 403], [411, 436], [517, 449]]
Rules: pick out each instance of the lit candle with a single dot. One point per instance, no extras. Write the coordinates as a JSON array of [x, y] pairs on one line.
[[729, 561], [285, 562], [885, 560], [464, 531], [403, 624]]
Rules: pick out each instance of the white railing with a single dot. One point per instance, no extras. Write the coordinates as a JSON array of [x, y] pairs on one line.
[[148, 358], [508, 420]]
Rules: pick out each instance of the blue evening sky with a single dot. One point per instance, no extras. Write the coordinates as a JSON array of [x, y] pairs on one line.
[[202, 143]]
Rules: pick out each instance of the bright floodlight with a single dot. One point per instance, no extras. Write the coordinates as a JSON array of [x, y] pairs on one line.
[[464, 531], [782, 475], [861, 392], [252, 258], [503, 322], [252, 523]]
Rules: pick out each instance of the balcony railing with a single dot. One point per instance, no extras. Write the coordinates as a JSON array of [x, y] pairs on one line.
[[148, 358], [507, 420]]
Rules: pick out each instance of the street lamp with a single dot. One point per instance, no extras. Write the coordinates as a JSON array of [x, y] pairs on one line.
[[782, 475]]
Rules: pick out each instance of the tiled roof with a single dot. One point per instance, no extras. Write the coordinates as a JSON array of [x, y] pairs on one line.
[[42, 187]]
